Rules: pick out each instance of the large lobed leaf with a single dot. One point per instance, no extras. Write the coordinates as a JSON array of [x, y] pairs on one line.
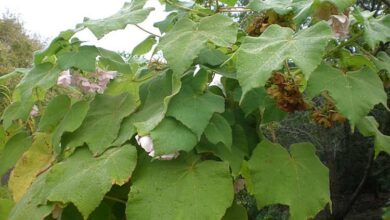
[[36, 159], [13, 150], [355, 93], [183, 43], [83, 58], [180, 189], [259, 56], [54, 112], [69, 123], [170, 136], [297, 179], [102, 122], [155, 97], [301, 9], [70, 181], [279, 6], [193, 106], [375, 29], [131, 13], [42, 76], [16, 110], [219, 131], [368, 126]]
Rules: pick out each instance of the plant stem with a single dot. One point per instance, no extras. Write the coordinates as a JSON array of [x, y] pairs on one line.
[[143, 29], [186, 9], [115, 199], [344, 43], [233, 9]]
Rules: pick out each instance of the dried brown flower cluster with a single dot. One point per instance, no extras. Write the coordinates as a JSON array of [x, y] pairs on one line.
[[261, 22], [327, 115], [285, 90]]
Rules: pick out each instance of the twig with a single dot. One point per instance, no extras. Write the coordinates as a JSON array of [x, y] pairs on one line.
[[143, 29], [186, 9], [115, 199], [287, 67], [344, 43], [233, 9]]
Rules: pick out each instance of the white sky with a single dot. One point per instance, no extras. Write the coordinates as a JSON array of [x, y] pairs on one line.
[[49, 17]]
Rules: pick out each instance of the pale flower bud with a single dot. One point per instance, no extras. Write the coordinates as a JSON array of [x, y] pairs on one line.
[[65, 79], [146, 143], [34, 111]]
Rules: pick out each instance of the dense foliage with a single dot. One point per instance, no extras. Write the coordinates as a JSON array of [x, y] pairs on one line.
[[16, 46], [93, 135], [16, 50]]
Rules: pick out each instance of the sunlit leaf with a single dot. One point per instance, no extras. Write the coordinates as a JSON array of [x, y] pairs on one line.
[[296, 178], [259, 56], [180, 189]]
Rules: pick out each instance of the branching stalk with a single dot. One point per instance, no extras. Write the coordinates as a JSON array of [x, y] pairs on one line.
[[187, 9], [149, 32]]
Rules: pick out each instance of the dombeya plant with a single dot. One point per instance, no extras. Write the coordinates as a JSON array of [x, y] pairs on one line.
[[173, 130]]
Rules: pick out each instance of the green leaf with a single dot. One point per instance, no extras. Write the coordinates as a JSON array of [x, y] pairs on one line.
[[83, 58], [42, 76], [382, 62], [355, 93], [375, 29], [219, 131], [5, 208], [62, 184], [166, 24], [145, 46], [368, 126], [102, 122], [297, 179], [110, 60], [71, 121], [37, 158], [180, 189], [212, 57], [155, 96], [29, 206], [55, 111], [195, 108], [354, 61], [304, 8], [13, 150], [229, 2], [3, 138], [55, 45], [17, 71], [170, 136], [259, 99], [234, 155], [236, 212], [124, 83], [16, 110], [281, 7], [102, 170], [272, 112], [188, 38], [300, 8], [253, 100], [126, 132], [259, 56], [130, 13]]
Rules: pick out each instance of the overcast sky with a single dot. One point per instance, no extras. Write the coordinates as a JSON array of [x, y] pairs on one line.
[[48, 17]]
